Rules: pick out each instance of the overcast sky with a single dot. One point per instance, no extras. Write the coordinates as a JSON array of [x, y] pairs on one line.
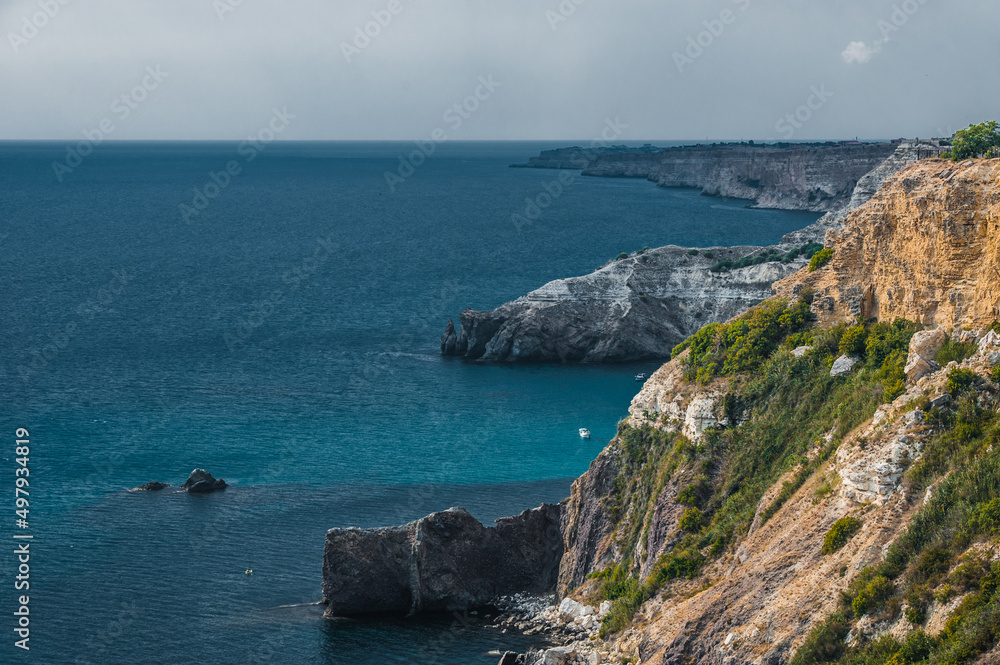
[[919, 69]]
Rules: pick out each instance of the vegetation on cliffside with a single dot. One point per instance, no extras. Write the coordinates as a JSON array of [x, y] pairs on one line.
[[792, 416], [935, 560]]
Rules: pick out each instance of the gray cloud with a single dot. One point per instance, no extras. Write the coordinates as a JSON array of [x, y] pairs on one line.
[[564, 67]]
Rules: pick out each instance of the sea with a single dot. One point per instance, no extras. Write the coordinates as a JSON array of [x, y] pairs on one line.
[[274, 315]]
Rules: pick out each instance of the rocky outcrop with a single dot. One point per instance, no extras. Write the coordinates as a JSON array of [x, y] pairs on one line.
[[634, 308], [447, 561], [925, 248], [201, 482], [924, 346]]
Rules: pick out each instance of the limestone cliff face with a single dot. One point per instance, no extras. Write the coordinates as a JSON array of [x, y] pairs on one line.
[[926, 248], [818, 177], [906, 154], [634, 308]]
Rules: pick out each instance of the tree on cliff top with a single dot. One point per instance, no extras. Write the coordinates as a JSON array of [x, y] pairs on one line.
[[975, 141]]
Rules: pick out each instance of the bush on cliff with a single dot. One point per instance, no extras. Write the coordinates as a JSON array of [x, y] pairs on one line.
[[953, 350], [820, 259], [743, 345], [840, 533], [853, 342]]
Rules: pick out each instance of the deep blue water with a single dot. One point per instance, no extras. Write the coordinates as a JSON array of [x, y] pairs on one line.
[[286, 339]]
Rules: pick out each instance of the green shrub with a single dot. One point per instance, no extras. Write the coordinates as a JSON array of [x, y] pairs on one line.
[[995, 374], [820, 259], [840, 533], [872, 596], [960, 379], [707, 254], [854, 340], [975, 141], [623, 255], [989, 516], [693, 494], [955, 351], [693, 252], [825, 642], [691, 520]]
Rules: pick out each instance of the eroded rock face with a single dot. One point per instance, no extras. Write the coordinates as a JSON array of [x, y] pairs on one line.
[[447, 561], [921, 249]]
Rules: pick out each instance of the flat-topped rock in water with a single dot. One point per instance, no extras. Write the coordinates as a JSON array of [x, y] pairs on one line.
[[447, 561], [201, 481]]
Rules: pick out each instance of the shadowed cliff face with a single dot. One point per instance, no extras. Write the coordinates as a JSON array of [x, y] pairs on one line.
[[446, 561], [925, 248]]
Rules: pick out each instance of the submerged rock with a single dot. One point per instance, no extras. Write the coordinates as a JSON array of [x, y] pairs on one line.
[[201, 481], [447, 561], [150, 487]]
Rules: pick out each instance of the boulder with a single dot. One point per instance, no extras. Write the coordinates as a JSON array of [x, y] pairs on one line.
[[445, 562], [570, 609], [800, 351], [990, 342], [201, 481], [843, 365], [150, 487], [511, 658], [924, 346]]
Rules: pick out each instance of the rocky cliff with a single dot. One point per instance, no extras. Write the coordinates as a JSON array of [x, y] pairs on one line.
[[446, 561], [640, 307], [761, 506], [796, 176], [924, 248], [634, 308]]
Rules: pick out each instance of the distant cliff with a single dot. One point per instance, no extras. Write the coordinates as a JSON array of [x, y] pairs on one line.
[[796, 176], [640, 307]]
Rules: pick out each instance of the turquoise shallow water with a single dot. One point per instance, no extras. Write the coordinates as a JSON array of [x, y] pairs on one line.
[[287, 340]]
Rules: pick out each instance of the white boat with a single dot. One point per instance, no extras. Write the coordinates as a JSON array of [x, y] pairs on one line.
[[640, 377], [584, 433]]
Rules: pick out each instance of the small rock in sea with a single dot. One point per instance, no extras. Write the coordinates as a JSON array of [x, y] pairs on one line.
[[201, 481], [150, 487]]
